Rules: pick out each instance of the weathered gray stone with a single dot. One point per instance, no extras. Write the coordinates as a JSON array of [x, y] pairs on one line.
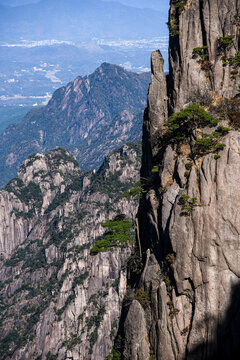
[[191, 255], [80, 318], [202, 23], [137, 344]]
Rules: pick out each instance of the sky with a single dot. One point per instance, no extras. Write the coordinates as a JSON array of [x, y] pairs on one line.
[[154, 4], [48, 43]]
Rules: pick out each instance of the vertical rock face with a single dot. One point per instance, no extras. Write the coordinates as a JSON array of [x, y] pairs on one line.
[[155, 114], [189, 222], [203, 73], [58, 299]]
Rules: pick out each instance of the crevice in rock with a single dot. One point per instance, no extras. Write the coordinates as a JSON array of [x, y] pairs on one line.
[[192, 316]]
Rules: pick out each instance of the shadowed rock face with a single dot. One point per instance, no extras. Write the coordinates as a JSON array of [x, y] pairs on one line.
[[190, 253]]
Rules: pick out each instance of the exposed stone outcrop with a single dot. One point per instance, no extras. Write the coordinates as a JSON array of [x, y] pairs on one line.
[[189, 212], [57, 300], [90, 117], [194, 24], [157, 111]]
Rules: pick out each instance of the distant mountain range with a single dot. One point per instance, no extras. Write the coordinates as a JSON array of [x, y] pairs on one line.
[[91, 116], [45, 44], [78, 20]]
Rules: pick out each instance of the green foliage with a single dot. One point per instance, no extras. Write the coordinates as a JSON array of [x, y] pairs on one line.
[[70, 298], [62, 156], [189, 165], [18, 256], [201, 51], [118, 234], [180, 4], [20, 335], [134, 192], [180, 125], [74, 340], [60, 238], [221, 131], [114, 355], [235, 60], [50, 356], [37, 261], [155, 169], [208, 143], [143, 297], [32, 256], [80, 279], [9, 340], [224, 60], [27, 194], [226, 42], [173, 27], [151, 355], [188, 204], [59, 200], [76, 183], [25, 215], [135, 264], [95, 321]]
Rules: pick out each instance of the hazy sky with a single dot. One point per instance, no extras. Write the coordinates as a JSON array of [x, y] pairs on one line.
[[154, 4]]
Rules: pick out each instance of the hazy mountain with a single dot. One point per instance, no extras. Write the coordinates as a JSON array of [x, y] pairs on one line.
[[78, 21], [46, 44], [31, 73], [90, 116], [11, 114]]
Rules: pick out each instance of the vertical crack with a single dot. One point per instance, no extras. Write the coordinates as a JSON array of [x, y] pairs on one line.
[[204, 38], [193, 313], [204, 33]]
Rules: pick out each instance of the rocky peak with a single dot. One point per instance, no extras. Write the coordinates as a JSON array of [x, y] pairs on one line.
[[62, 281], [90, 116], [156, 112], [183, 302]]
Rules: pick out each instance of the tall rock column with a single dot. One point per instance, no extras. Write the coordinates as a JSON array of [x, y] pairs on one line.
[[156, 112], [204, 50], [189, 224]]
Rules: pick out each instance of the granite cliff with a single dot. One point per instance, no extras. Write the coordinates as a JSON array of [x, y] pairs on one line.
[[187, 296], [69, 289], [63, 274]]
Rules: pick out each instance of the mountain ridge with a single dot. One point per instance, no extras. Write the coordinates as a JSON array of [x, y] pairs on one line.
[[57, 20], [90, 117], [49, 280]]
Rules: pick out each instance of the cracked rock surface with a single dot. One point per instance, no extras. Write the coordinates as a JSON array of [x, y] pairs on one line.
[[190, 253]]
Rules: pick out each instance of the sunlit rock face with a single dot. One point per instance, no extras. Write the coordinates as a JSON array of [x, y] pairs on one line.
[[189, 214], [203, 74], [90, 117], [58, 300]]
